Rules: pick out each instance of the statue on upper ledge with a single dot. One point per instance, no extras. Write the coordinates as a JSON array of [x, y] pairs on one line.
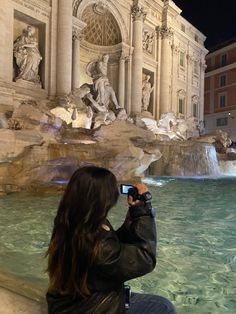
[[147, 89], [27, 56], [103, 92]]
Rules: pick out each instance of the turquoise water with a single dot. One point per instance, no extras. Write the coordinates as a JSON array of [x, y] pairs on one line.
[[196, 225]]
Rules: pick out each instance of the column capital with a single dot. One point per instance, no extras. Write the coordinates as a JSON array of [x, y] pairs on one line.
[[126, 51], [77, 29], [137, 11], [124, 56], [165, 32], [77, 34]]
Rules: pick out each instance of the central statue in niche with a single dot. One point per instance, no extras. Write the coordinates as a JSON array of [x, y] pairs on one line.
[[102, 90], [92, 105]]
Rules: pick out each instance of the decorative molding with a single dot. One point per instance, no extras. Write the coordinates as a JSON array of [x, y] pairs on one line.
[[44, 11], [100, 7], [181, 93], [76, 5], [191, 58], [195, 99]]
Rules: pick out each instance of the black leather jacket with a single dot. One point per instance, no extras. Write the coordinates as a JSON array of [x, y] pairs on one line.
[[127, 253]]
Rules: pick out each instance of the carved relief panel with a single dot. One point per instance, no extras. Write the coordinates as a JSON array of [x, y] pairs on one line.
[[148, 41]]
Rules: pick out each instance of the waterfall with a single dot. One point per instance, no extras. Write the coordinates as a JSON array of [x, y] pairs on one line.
[[211, 164], [189, 158]]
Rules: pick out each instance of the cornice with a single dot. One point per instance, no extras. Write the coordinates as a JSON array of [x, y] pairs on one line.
[[221, 50], [221, 69]]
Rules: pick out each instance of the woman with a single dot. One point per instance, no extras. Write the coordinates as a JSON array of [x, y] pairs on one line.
[[88, 262]]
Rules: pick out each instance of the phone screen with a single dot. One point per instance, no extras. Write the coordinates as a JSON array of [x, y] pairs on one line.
[[127, 296], [124, 188]]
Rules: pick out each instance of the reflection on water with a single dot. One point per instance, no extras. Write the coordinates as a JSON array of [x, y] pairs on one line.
[[196, 222]]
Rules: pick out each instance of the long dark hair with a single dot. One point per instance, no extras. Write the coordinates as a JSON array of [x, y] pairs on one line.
[[90, 194]]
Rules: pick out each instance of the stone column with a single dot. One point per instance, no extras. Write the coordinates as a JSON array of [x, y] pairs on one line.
[[6, 54], [76, 58], [138, 16], [6, 42], [202, 88], [122, 81], [189, 78], [165, 64], [64, 47], [128, 83]]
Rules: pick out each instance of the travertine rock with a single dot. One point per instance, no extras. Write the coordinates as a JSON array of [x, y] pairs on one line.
[[29, 158]]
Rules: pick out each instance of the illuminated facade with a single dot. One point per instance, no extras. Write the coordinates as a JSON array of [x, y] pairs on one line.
[[148, 37]]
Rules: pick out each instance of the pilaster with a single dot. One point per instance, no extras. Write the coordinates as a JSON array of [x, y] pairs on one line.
[[166, 36], [77, 36], [138, 15], [64, 47]]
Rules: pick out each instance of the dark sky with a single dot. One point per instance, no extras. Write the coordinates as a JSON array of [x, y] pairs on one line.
[[216, 19]]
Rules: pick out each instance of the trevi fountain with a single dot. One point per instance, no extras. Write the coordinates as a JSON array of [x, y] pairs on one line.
[[118, 85]]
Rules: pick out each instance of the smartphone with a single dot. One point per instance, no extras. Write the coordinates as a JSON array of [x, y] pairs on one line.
[[127, 296], [124, 188]]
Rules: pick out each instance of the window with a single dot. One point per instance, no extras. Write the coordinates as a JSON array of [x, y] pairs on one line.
[[195, 110], [195, 68], [181, 58], [181, 105], [223, 60], [222, 101], [183, 28], [221, 121], [196, 38], [222, 80]]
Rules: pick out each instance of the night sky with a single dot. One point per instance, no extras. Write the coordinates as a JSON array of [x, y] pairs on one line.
[[216, 19]]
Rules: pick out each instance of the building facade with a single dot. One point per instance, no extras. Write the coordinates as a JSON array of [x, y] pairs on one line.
[[142, 38], [220, 89]]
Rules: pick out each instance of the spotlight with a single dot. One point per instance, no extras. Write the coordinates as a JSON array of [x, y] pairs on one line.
[[230, 115]]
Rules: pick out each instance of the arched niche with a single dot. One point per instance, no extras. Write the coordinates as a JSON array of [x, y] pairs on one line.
[[102, 29], [79, 6], [103, 34]]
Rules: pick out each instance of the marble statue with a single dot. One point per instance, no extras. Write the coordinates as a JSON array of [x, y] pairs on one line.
[[103, 115], [147, 89], [81, 110], [75, 112], [27, 56], [170, 126], [201, 128], [104, 92]]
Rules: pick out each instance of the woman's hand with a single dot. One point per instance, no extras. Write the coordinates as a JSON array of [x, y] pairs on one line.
[[142, 188]]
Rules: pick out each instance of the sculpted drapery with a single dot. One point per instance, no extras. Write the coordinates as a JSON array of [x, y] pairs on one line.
[[27, 56]]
